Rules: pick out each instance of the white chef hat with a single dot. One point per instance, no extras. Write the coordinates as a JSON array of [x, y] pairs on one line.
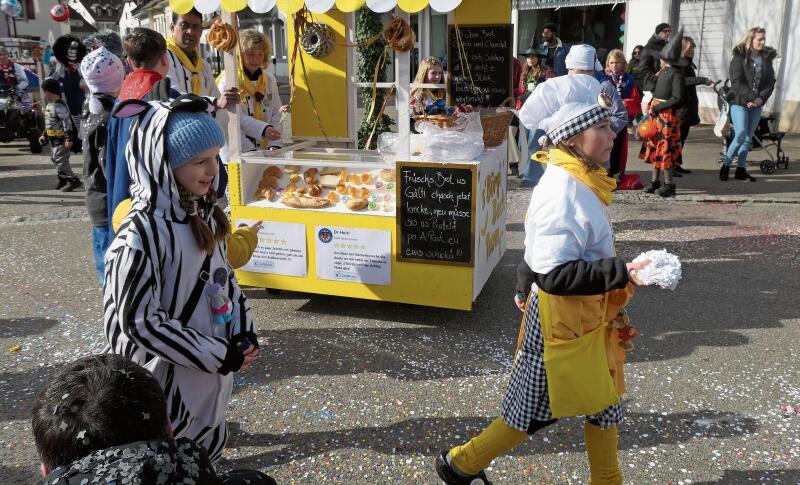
[[583, 57], [565, 106]]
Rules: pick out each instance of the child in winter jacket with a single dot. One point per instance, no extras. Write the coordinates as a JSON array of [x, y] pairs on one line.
[[103, 73], [61, 134], [172, 302]]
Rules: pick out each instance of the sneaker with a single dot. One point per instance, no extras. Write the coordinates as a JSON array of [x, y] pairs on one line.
[[724, 172], [667, 190], [73, 184], [652, 186], [741, 174], [450, 477], [61, 183], [680, 170]]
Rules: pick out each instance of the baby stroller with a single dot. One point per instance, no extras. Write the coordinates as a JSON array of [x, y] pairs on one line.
[[763, 138]]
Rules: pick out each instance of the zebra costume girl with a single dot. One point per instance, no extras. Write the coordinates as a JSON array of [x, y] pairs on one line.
[[156, 308]]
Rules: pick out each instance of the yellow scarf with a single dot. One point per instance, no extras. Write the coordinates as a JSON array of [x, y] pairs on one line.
[[248, 89], [195, 69], [596, 179]]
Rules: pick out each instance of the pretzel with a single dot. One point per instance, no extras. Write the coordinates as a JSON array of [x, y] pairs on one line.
[[222, 36]]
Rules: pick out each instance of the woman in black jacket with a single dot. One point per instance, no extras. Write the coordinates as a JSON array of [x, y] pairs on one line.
[[688, 114], [752, 81]]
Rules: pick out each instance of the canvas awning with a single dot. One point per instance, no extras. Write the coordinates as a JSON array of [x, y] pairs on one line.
[[316, 6]]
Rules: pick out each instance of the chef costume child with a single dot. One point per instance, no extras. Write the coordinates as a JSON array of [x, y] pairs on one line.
[[568, 361]]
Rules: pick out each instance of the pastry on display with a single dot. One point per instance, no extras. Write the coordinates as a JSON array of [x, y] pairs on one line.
[[310, 176], [290, 169], [387, 175], [341, 188], [366, 178], [273, 171], [305, 202], [354, 179], [267, 182], [329, 181], [314, 190], [333, 197], [356, 192], [356, 204], [330, 171], [265, 193]]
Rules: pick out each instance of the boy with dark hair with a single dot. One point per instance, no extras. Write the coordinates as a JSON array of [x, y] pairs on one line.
[[60, 133], [103, 419]]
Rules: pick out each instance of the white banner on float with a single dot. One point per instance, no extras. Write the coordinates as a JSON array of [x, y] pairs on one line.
[[354, 255]]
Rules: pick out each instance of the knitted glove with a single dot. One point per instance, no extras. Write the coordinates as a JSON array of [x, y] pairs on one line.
[[234, 357]]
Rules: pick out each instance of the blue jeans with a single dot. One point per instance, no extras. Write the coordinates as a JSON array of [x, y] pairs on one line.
[[535, 169], [101, 240], [744, 121]]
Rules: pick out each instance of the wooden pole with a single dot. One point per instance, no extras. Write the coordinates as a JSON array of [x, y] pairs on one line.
[[231, 63]]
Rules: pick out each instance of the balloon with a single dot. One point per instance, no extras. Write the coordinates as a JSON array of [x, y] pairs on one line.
[[261, 6], [412, 6], [233, 5], [349, 5], [206, 6], [444, 6], [290, 6], [181, 6], [319, 6], [380, 6], [12, 8]]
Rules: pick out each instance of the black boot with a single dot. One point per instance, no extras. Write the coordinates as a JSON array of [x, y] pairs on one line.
[[667, 190], [741, 174], [74, 183], [724, 171], [450, 477], [653, 186], [62, 182]]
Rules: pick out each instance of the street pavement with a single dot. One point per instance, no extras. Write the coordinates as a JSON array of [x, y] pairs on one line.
[[363, 392]]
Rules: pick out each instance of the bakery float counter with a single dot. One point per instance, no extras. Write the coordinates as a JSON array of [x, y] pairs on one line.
[[352, 223]]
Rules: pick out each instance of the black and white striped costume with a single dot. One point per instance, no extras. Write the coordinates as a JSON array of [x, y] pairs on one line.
[[152, 268]]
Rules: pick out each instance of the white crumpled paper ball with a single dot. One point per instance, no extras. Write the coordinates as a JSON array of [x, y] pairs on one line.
[[663, 271]]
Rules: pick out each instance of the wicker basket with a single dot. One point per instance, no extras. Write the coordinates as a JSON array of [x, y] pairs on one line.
[[442, 121], [495, 128]]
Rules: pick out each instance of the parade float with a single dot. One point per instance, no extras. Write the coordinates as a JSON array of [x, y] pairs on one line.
[[409, 223]]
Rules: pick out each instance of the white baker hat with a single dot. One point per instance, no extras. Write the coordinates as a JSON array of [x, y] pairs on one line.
[[565, 106], [583, 57]]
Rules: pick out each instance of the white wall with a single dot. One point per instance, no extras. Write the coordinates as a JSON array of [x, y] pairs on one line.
[[641, 19]]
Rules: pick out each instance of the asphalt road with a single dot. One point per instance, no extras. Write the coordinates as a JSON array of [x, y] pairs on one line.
[[365, 392]]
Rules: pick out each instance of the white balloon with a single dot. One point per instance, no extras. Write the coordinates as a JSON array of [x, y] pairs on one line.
[[206, 6], [444, 6], [380, 6], [261, 6], [319, 6]]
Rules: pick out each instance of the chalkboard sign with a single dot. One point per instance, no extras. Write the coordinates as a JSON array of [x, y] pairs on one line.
[[483, 76], [436, 212]]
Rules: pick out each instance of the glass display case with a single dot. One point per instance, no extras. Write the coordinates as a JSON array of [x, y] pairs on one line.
[[319, 179]]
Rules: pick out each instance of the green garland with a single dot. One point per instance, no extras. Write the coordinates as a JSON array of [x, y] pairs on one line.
[[368, 24]]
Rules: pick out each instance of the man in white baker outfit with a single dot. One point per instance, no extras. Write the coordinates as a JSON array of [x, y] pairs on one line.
[[188, 71]]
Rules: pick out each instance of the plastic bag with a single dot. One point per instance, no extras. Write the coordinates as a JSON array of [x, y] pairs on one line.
[[441, 145]]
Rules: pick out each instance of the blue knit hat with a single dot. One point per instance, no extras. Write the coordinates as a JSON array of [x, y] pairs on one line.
[[190, 134]]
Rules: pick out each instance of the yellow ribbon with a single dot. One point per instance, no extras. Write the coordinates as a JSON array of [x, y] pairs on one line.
[[195, 68], [595, 178]]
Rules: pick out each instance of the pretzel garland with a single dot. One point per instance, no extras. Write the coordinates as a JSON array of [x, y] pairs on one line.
[[222, 36]]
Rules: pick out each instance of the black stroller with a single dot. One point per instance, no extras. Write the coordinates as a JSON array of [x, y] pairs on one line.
[[764, 137]]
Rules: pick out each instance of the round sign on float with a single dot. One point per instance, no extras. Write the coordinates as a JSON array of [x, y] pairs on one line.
[[349, 5], [233, 5], [444, 6], [381, 6], [206, 6], [290, 6], [261, 6], [180, 7], [319, 6], [412, 6]]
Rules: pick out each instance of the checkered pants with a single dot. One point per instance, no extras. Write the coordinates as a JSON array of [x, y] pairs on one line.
[[526, 396]]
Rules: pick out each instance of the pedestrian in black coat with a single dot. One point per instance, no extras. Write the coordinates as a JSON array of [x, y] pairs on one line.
[[650, 58], [688, 114]]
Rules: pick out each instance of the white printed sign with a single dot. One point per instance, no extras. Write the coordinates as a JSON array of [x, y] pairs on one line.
[[355, 255], [281, 249]]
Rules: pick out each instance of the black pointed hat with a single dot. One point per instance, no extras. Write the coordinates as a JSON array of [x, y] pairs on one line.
[[673, 51]]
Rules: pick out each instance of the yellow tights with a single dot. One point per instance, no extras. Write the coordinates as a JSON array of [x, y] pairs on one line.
[[499, 438]]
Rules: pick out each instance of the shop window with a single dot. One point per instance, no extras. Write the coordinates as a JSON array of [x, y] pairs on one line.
[[29, 10]]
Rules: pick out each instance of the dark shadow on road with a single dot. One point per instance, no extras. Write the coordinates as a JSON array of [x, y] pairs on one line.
[[24, 327], [653, 224], [414, 436], [31, 183], [24, 166], [20, 390], [737, 477]]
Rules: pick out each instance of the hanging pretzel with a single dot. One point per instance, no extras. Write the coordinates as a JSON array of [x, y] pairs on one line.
[[222, 36], [399, 35]]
